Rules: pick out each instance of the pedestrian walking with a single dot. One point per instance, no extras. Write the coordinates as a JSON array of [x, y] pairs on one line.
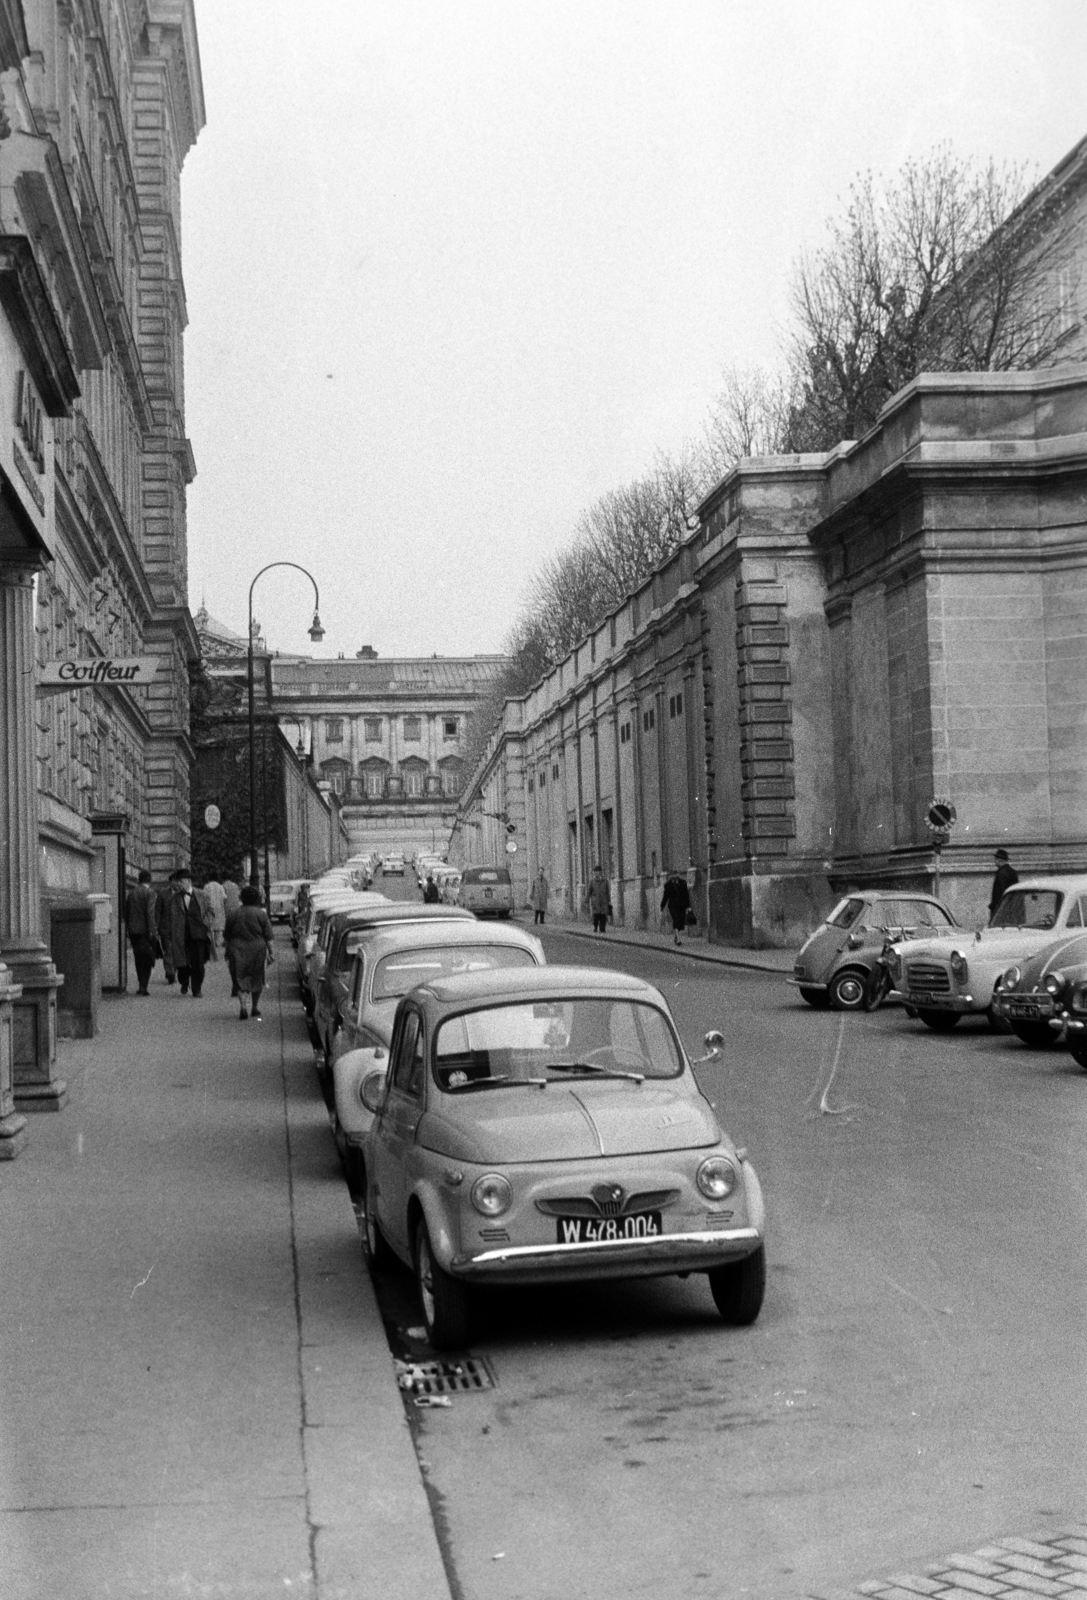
[[676, 900], [1003, 878], [215, 899], [541, 893], [233, 901], [186, 933], [599, 900], [431, 894], [141, 921], [249, 937], [169, 971]]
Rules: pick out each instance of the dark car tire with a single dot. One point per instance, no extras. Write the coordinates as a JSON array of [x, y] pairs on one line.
[[1036, 1035], [382, 1258], [738, 1289], [847, 988], [939, 1021], [446, 1302], [1078, 1052], [819, 998]]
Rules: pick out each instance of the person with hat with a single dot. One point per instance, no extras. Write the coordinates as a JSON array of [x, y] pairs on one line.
[[141, 921], [186, 933], [1003, 878]]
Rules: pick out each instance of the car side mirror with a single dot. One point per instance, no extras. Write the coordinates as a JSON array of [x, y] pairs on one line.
[[715, 1045], [372, 1092]]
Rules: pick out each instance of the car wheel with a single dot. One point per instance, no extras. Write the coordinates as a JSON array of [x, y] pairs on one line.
[[381, 1256], [738, 1289], [815, 997], [1037, 1035], [939, 1021], [446, 1303], [847, 988]]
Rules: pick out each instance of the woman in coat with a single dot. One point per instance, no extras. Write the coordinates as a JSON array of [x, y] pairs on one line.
[[249, 938]]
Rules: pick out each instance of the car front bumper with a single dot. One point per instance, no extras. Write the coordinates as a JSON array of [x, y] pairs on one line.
[[695, 1251]]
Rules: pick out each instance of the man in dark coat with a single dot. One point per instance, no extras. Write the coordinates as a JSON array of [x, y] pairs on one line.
[[1003, 878], [676, 900], [141, 920], [186, 933], [431, 894]]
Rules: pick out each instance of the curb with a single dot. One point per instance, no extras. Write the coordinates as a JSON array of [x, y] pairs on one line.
[[675, 950]]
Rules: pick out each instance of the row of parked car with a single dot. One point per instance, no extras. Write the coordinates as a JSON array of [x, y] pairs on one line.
[[503, 1121], [1026, 971]]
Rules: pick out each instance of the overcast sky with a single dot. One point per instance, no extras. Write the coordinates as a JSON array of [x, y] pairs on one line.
[[455, 268]]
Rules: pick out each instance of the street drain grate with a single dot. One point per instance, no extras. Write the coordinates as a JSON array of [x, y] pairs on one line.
[[459, 1375]]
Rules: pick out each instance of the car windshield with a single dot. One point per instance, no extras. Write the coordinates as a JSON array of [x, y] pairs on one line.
[[846, 914], [555, 1041], [395, 974], [1028, 908], [911, 914]]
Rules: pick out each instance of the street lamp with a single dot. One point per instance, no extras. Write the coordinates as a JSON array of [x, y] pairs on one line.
[[316, 633]]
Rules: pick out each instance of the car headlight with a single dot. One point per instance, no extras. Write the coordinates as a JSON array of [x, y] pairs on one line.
[[1054, 982], [716, 1177], [491, 1194], [958, 964], [1012, 977]]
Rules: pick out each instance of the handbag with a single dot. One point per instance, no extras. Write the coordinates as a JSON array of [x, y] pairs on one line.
[[692, 920], [156, 950]]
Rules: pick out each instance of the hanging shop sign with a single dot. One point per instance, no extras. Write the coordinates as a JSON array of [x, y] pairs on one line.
[[95, 672]]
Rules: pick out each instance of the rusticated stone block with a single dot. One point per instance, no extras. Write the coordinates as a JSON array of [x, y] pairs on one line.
[[781, 712], [762, 634]]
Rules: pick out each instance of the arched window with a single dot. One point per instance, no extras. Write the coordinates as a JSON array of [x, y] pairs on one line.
[[413, 773], [452, 772], [336, 772], [375, 777]]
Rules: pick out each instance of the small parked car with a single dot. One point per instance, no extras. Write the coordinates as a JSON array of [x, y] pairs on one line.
[[545, 1126], [836, 964], [487, 891], [282, 898], [348, 933], [1044, 1000], [384, 968], [945, 978]]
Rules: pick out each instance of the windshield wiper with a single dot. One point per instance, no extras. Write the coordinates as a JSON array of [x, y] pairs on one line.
[[489, 1083], [591, 1070]]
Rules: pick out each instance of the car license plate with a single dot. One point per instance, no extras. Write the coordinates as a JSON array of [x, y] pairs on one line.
[[488, 894], [584, 1230], [922, 998], [1025, 1010]]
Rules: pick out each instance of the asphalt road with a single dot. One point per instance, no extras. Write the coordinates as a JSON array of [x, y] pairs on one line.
[[915, 1384]]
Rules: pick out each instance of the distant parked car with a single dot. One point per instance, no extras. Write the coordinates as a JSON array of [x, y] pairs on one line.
[[283, 897], [393, 864], [943, 979], [836, 963], [1044, 1000], [487, 891], [545, 1126]]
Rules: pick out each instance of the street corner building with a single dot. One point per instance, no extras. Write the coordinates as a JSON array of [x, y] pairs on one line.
[[844, 639], [100, 104]]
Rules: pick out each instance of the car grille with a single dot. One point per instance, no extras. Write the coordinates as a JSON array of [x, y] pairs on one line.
[[584, 1205], [928, 975]]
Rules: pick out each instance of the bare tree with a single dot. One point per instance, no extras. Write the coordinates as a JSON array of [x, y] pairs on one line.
[[749, 416], [923, 273]]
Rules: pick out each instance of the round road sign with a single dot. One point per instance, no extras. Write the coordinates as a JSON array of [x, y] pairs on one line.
[[212, 816], [511, 847]]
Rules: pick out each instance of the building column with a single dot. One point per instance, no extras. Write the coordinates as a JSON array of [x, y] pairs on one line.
[[34, 1015]]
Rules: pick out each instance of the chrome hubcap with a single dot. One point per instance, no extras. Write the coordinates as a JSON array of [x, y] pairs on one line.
[[850, 991]]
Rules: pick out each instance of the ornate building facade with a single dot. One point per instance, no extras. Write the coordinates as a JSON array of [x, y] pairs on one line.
[[101, 100]]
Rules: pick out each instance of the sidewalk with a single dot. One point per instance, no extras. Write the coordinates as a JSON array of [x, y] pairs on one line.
[[198, 1395], [695, 948]]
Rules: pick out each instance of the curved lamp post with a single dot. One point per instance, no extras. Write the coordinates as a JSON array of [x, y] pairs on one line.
[[316, 633]]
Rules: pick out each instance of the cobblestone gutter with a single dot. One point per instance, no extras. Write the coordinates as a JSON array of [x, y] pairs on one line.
[[1009, 1569]]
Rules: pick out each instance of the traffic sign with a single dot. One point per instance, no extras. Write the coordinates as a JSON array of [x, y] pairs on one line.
[[940, 816], [511, 847], [212, 816]]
